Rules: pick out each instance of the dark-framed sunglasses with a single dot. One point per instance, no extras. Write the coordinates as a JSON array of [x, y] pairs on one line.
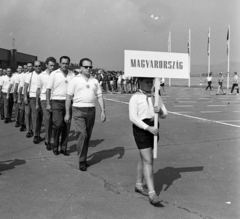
[[87, 67]]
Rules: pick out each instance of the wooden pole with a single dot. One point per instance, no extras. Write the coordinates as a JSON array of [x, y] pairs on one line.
[[157, 86]]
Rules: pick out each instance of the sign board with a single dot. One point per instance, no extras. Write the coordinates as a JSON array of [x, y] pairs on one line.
[[156, 64]]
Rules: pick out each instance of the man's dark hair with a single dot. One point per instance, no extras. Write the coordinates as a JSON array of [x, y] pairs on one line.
[[84, 59], [50, 59], [64, 57]]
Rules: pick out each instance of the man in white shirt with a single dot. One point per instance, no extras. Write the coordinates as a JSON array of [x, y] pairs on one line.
[[1, 99], [21, 98], [57, 89], [8, 102], [37, 115], [14, 85], [84, 90], [28, 117], [41, 93], [235, 83]]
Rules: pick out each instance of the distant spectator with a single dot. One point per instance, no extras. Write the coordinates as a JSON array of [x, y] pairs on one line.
[[209, 81], [220, 84], [235, 83]]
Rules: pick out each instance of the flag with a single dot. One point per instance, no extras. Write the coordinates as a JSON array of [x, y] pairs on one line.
[[169, 42], [188, 43], [208, 45], [13, 43], [228, 36]]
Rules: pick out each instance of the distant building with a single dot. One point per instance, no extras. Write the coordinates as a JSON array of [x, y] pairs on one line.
[[13, 58]]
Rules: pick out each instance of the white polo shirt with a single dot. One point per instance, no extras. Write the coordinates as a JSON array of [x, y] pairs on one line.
[[31, 79], [58, 84], [5, 82], [42, 84], [15, 79], [84, 92]]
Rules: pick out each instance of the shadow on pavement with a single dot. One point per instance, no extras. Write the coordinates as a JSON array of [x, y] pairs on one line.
[[105, 154], [10, 164], [92, 143], [167, 176]]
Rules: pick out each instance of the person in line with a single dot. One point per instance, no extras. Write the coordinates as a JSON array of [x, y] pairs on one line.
[[209, 81], [41, 94], [1, 99], [14, 85], [36, 112], [8, 100], [56, 95], [84, 90], [23, 114], [235, 84], [141, 114], [220, 84]]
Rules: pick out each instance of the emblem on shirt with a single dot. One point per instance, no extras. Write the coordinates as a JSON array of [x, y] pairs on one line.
[[66, 81], [88, 86]]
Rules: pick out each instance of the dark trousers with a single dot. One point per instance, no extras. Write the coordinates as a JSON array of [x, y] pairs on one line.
[[2, 106], [84, 118], [59, 126], [17, 111], [28, 116], [209, 85], [233, 86], [37, 116], [47, 121], [22, 111], [8, 105]]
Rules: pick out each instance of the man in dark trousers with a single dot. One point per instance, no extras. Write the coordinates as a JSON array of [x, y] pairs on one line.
[[57, 89], [84, 90]]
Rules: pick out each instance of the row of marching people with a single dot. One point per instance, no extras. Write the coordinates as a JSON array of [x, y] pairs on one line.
[[53, 96]]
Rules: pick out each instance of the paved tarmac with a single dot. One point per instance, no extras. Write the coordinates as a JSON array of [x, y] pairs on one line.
[[197, 171]]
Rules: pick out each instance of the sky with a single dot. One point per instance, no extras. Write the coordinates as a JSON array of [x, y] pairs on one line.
[[102, 29]]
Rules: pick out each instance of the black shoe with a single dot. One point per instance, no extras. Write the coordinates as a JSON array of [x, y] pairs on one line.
[[29, 134], [9, 120], [87, 164], [64, 152], [2, 117], [17, 125], [6, 121], [55, 151], [82, 166], [36, 140], [23, 128], [48, 145]]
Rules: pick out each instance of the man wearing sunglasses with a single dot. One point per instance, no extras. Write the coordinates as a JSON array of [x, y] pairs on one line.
[[37, 115], [57, 89], [84, 90]]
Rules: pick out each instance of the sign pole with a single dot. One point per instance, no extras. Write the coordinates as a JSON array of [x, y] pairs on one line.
[[157, 85]]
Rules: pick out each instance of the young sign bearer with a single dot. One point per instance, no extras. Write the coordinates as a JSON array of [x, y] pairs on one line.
[[141, 114]]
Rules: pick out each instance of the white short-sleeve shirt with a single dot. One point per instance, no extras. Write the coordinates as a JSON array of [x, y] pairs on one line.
[[22, 81], [42, 84], [58, 84], [31, 79], [84, 92], [5, 82]]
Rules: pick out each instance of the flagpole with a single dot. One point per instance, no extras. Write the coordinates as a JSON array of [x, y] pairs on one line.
[[209, 51], [228, 53], [169, 50], [189, 57]]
